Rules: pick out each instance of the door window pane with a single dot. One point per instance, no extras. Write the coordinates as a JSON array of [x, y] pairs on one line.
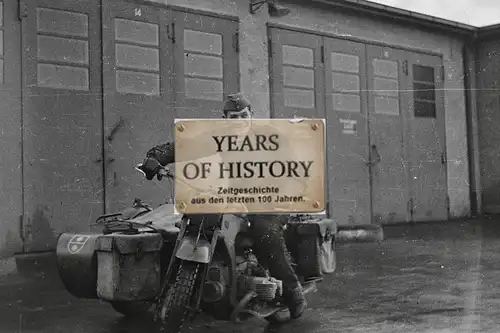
[[203, 42], [62, 77], [346, 85], [387, 105], [424, 91], [385, 87], [138, 83], [137, 67], [137, 57], [344, 62], [298, 98], [346, 102], [425, 109], [423, 73], [212, 90], [62, 50], [203, 66], [298, 56], [55, 22], [130, 31], [385, 68], [298, 77]]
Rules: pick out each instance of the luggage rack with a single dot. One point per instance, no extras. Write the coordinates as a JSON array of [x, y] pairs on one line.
[[114, 223]]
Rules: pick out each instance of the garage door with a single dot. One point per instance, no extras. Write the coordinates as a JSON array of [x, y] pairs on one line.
[[346, 116], [137, 98], [388, 116], [62, 118], [158, 65], [385, 123], [426, 138], [314, 76], [98, 93]]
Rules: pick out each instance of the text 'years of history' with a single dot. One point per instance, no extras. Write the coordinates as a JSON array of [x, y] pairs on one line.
[[250, 166]]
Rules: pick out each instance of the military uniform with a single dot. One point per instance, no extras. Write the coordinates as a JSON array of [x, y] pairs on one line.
[[266, 230]]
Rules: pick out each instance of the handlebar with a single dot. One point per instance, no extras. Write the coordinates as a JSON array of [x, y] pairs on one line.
[[164, 172]]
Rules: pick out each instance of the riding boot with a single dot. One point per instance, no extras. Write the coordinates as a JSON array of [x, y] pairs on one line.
[[294, 298], [270, 248]]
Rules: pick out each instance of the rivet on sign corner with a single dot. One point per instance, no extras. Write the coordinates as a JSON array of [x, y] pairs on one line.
[[181, 206], [316, 204], [314, 127], [181, 128]]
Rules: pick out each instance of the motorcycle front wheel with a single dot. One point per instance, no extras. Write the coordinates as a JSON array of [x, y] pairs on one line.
[[175, 308]]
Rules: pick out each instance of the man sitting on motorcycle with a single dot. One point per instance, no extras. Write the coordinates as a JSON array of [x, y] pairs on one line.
[[266, 229]]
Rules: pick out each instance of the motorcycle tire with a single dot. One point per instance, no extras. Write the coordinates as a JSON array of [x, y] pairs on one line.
[[132, 309], [176, 309]]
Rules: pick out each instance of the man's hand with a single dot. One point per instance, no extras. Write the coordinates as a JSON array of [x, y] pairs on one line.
[[150, 167], [164, 153]]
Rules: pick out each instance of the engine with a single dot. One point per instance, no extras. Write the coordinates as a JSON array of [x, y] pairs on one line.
[[251, 277], [217, 283]]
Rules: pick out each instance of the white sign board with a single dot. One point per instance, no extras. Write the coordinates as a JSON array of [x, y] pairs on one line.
[[249, 166]]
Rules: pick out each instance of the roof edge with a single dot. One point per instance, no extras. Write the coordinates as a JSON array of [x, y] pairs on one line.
[[488, 32], [403, 15]]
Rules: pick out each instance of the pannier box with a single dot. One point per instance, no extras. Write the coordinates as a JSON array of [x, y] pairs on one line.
[[128, 266]]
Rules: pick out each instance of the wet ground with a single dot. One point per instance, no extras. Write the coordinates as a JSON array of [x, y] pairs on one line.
[[442, 278]]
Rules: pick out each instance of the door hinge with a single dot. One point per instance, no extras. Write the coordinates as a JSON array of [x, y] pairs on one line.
[[405, 67], [447, 204], [443, 158], [410, 208], [21, 228], [441, 73], [22, 9], [236, 42], [322, 54], [171, 32], [270, 47]]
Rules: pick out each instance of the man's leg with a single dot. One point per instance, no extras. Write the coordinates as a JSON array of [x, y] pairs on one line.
[[270, 249]]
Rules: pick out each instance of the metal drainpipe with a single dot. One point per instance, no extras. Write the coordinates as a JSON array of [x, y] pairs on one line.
[[470, 69]]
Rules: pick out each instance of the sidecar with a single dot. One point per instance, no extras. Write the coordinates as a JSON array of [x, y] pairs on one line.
[[123, 264]]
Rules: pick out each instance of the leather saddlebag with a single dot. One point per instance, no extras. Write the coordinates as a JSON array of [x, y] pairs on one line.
[[311, 242]]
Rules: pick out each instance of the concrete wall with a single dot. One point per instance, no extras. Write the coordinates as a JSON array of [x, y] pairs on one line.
[[488, 106], [10, 135], [254, 81], [255, 73]]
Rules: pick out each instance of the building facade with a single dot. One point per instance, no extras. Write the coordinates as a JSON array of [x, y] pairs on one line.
[[89, 86]]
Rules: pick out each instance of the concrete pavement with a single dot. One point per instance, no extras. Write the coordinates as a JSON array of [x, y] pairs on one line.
[[428, 278]]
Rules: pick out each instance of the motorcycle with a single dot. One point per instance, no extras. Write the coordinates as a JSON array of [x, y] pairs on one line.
[[180, 266]]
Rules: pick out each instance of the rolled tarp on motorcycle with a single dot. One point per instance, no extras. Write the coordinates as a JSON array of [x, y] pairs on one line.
[[370, 233]]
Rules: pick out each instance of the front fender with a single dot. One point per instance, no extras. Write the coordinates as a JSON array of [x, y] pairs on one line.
[[191, 250]]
